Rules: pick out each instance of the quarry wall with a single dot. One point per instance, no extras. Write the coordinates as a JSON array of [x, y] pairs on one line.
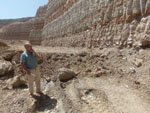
[[96, 22]]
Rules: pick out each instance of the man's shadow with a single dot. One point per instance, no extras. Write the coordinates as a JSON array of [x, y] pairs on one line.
[[44, 102]]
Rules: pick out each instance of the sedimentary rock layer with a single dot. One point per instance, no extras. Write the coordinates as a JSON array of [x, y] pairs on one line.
[[35, 36], [4, 22], [115, 22], [16, 31]]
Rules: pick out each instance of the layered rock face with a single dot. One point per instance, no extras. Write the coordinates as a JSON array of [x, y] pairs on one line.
[[4, 22], [35, 35], [15, 28], [16, 31], [96, 22], [24, 29]]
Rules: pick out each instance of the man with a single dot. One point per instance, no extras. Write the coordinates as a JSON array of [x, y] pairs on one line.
[[29, 61]]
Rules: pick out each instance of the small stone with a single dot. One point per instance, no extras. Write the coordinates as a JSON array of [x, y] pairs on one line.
[[132, 70], [138, 62], [136, 82], [99, 73], [88, 70], [82, 54], [79, 59]]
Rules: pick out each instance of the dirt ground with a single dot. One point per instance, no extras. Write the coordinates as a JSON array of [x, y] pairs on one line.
[[108, 80]]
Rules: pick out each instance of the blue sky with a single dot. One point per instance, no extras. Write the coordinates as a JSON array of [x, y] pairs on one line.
[[10, 9]]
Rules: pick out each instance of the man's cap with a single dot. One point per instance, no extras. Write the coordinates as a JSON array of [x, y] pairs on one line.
[[27, 44]]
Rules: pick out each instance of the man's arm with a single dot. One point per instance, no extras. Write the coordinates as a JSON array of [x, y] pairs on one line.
[[22, 61], [37, 56], [24, 67]]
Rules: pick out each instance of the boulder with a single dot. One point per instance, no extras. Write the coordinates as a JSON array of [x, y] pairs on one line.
[[16, 82], [2, 44], [5, 67], [8, 55], [145, 41], [65, 74], [16, 57]]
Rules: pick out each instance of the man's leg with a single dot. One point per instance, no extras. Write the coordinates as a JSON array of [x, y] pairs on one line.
[[38, 80], [31, 81]]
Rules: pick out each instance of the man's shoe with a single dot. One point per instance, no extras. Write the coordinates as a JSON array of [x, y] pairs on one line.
[[39, 92], [31, 94]]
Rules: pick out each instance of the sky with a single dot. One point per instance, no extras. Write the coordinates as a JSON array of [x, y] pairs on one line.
[[11, 9]]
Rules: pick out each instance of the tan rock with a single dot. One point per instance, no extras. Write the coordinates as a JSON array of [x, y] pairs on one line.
[[8, 55], [16, 82], [5, 67], [65, 74]]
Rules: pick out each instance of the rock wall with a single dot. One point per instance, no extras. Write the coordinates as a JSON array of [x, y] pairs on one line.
[[96, 22]]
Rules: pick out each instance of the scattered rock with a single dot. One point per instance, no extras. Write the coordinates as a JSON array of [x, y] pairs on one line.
[[82, 54], [65, 74], [136, 82], [88, 70], [5, 67], [138, 62], [99, 73], [133, 71], [145, 42], [79, 59], [137, 45], [54, 57], [49, 85]]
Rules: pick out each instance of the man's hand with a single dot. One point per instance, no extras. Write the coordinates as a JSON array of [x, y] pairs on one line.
[[32, 50], [24, 67], [37, 56], [28, 72]]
